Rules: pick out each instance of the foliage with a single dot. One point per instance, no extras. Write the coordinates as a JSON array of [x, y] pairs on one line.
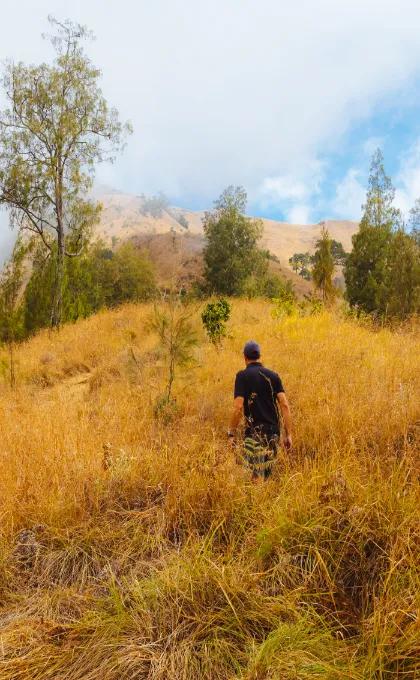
[[177, 337], [366, 267], [300, 261], [402, 281], [338, 253], [288, 305], [155, 205], [231, 254], [382, 273], [11, 308], [97, 279], [269, 286], [57, 126], [414, 222], [183, 221], [274, 286], [306, 274], [284, 304], [214, 317], [323, 269], [133, 275]]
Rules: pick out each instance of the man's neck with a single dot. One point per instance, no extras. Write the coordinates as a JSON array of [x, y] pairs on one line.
[[249, 362]]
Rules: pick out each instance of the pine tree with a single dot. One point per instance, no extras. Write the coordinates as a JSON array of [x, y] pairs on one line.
[[367, 265], [323, 268]]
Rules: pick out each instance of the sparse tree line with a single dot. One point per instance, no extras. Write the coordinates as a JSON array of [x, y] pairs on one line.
[[99, 278], [155, 206], [302, 263]]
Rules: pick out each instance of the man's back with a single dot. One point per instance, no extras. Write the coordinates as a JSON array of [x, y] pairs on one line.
[[259, 387]]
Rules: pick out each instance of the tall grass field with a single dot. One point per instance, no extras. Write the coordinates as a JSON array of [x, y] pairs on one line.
[[133, 546]]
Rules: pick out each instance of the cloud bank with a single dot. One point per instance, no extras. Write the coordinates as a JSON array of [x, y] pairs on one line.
[[235, 91]]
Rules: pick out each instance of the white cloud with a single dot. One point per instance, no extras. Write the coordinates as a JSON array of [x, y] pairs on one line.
[[284, 188], [301, 184], [232, 91], [293, 193], [350, 194], [299, 214], [371, 144]]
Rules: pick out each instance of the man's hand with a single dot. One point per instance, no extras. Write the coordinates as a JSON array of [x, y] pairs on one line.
[[235, 418], [285, 410], [288, 442]]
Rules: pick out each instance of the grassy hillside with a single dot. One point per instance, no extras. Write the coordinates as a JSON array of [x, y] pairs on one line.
[[135, 549]]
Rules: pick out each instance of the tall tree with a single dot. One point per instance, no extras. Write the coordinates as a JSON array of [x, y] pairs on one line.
[[231, 254], [323, 268], [57, 127], [367, 265], [300, 261]]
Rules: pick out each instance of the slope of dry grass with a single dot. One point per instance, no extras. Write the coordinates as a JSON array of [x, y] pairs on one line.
[[148, 555]]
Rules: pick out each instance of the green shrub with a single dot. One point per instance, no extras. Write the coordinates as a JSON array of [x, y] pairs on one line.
[[214, 317], [287, 305]]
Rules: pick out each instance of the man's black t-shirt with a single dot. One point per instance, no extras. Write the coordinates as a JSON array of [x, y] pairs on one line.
[[259, 387]]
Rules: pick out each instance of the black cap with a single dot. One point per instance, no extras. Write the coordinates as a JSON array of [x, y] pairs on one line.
[[252, 350]]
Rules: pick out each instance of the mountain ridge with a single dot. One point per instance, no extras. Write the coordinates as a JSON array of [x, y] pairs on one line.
[[122, 219]]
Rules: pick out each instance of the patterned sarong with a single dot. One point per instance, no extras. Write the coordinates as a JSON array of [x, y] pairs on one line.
[[260, 453]]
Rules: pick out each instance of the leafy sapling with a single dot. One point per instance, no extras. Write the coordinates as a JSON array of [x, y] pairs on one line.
[[214, 317]]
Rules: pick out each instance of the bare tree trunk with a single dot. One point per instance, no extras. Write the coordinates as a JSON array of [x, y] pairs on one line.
[[171, 377], [57, 306]]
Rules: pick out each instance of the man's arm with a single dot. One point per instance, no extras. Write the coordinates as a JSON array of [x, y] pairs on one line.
[[285, 411], [238, 408]]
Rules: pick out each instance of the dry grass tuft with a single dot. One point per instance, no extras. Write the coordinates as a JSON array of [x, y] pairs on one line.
[[133, 549]]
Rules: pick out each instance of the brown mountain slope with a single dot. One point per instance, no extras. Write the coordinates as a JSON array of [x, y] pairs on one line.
[[178, 256], [122, 219]]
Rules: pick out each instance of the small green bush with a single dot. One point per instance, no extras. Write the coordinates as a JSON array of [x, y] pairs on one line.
[[214, 317], [287, 305]]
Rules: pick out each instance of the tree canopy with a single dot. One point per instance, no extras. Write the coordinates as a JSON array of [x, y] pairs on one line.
[[231, 254]]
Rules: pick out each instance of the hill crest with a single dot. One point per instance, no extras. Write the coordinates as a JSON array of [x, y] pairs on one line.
[[122, 218]]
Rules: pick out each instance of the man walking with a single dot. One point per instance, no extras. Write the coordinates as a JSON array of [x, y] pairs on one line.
[[259, 394]]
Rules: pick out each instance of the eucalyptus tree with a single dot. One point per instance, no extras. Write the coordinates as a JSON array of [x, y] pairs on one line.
[[56, 128]]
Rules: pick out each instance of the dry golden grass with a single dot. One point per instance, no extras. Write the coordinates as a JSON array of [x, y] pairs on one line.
[[151, 556]]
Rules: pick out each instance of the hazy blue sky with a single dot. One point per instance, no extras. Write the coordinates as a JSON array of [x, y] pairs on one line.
[[287, 97]]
